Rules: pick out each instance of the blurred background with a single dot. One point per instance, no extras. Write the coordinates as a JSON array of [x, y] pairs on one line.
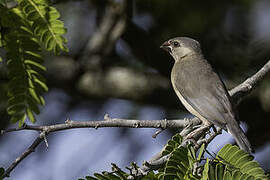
[[115, 66]]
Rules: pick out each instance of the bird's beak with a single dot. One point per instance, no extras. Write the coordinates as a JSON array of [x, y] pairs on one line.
[[166, 46]]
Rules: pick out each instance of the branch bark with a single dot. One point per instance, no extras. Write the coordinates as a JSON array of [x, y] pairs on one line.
[[109, 122], [237, 94], [29, 150], [249, 84]]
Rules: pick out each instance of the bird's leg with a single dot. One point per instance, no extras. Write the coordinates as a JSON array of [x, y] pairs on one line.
[[214, 128], [197, 126], [188, 129], [198, 132]]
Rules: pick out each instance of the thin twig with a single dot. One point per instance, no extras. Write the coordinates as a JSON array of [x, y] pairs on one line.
[[31, 149], [208, 139], [249, 84]]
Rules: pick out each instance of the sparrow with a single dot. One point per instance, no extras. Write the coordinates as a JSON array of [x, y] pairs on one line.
[[201, 90]]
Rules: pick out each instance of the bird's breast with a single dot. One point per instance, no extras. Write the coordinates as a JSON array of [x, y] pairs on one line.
[[178, 81]]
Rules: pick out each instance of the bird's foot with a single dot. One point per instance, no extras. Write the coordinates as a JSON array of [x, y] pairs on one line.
[[198, 132], [191, 140]]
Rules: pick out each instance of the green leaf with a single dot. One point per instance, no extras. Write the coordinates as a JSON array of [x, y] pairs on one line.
[[90, 178], [227, 176], [118, 171], [150, 176], [236, 175], [1, 41], [211, 173], [19, 117], [30, 115], [180, 162], [172, 144], [2, 172], [35, 64], [16, 109], [177, 164], [192, 151], [24, 63], [41, 84], [32, 105], [219, 171], [101, 177], [191, 155], [16, 100], [45, 24], [201, 152], [205, 170], [237, 159], [34, 95], [116, 174]]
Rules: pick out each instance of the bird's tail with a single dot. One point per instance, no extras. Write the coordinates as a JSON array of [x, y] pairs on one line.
[[240, 137]]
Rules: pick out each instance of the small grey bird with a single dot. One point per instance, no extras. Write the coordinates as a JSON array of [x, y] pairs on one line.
[[201, 90]]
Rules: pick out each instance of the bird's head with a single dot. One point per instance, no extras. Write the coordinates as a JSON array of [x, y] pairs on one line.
[[181, 47]]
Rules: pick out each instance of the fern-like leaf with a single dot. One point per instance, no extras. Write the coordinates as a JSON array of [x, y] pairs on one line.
[[172, 144], [205, 170], [117, 174], [2, 172], [1, 39], [233, 163], [46, 24], [180, 162], [238, 160], [25, 67]]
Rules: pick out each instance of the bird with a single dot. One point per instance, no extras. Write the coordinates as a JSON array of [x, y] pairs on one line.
[[201, 90]]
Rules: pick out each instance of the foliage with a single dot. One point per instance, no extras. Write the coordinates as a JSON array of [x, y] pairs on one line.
[[180, 162], [116, 173], [2, 172], [45, 24], [24, 30], [239, 164], [230, 163]]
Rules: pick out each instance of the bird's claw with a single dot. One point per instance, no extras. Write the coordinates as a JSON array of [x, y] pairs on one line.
[[189, 140]]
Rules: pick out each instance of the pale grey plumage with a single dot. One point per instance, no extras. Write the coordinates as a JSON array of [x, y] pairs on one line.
[[200, 89]]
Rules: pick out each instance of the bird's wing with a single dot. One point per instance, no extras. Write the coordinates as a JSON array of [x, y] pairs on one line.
[[206, 93]]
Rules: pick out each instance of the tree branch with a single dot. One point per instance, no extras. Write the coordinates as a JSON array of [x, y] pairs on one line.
[[30, 149], [110, 29], [237, 94], [248, 85], [109, 122]]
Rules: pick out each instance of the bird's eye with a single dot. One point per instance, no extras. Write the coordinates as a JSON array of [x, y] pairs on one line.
[[176, 44]]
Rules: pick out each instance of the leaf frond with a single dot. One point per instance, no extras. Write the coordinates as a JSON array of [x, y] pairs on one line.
[[25, 68], [45, 24]]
